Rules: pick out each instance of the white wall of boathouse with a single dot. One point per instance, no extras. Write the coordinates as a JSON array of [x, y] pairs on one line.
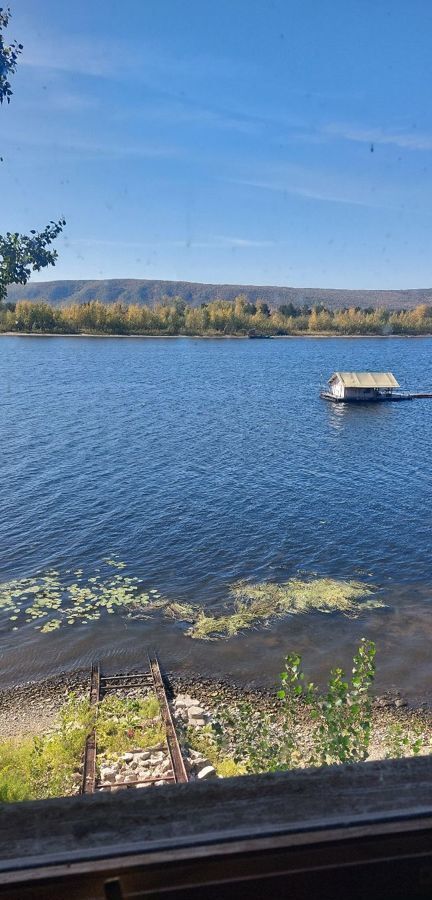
[[339, 390]]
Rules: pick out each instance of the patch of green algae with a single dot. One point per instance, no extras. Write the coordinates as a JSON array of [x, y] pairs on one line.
[[256, 604], [51, 600]]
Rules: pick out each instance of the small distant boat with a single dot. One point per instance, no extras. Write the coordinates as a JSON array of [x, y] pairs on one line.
[[355, 387], [259, 336]]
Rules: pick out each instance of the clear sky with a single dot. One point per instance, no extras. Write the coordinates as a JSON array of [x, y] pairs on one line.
[[253, 141]]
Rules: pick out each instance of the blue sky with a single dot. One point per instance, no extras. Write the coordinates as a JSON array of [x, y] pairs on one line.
[[249, 141]]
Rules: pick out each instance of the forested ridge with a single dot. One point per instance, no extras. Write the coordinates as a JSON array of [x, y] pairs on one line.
[[219, 317], [149, 291]]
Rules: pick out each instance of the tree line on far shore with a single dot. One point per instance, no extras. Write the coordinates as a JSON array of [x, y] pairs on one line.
[[173, 316]]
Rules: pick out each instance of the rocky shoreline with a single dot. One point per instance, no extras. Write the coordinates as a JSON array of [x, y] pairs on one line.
[[32, 709]]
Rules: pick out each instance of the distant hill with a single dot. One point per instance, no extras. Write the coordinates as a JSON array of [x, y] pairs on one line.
[[147, 292]]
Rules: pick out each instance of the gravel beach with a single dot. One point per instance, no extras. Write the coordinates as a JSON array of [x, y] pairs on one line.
[[32, 709]]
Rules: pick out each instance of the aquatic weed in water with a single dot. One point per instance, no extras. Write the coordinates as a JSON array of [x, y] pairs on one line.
[[257, 604], [51, 600]]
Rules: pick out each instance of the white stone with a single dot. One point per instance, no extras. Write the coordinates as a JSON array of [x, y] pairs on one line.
[[183, 701], [207, 772], [196, 712], [180, 702], [128, 757], [108, 773], [202, 763], [199, 723], [157, 758], [129, 778]]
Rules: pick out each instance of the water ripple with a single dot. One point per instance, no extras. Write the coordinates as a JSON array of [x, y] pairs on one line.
[[203, 462]]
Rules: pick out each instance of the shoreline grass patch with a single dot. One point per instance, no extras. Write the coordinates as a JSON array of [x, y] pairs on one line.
[[36, 768], [256, 604], [126, 724], [204, 740], [40, 767]]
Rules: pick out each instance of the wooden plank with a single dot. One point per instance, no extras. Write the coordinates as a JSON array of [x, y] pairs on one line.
[[89, 768], [177, 760], [229, 843], [219, 809], [377, 861]]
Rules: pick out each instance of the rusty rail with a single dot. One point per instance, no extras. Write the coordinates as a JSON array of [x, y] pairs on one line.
[[89, 769], [175, 753]]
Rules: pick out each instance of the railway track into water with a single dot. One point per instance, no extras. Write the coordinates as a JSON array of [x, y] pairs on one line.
[[149, 680]]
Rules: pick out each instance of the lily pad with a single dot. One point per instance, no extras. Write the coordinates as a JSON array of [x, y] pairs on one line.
[[51, 600]]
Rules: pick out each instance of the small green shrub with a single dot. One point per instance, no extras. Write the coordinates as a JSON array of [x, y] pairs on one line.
[[340, 719], [255, 738], [342, 715], [204, 740], [228, 768], [16, 771], [400, 743]]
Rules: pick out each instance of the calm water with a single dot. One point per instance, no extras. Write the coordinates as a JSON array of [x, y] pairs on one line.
[[204, 461]]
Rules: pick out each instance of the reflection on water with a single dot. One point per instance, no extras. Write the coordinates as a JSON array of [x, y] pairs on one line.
[[207, 462], [357, 415]]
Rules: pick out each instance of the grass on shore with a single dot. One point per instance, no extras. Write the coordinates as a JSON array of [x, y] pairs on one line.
[[36, 768], [204, 741], [303, 727], [126, 724]]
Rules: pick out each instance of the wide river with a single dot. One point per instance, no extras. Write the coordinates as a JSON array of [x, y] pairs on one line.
[[199, 462]]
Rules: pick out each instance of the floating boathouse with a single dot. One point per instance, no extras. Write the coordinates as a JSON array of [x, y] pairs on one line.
[[356, 386]]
